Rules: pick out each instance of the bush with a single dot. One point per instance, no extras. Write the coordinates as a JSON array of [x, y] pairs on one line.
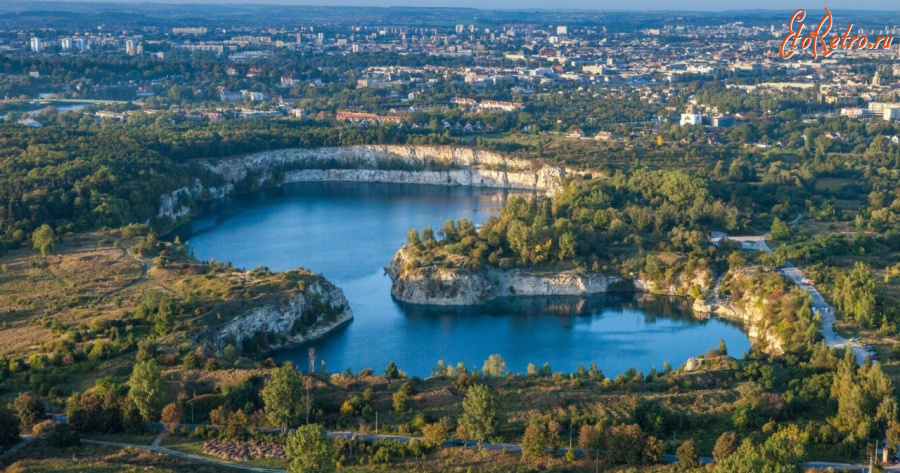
[[9, 426], [725, 446], [62, 436], [29, 409], [172, 415], [688, 457]]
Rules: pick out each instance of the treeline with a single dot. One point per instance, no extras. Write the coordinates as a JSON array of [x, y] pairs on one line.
[[591, 224], [76, 174]]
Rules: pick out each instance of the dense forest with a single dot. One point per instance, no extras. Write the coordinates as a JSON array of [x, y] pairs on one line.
[[594, 225]]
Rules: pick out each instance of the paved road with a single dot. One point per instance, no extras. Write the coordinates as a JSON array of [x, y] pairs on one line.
[[795, 275], [832, 339], [332, 434]]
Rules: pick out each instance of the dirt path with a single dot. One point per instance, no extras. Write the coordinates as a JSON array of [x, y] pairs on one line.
[[188, 456], [145, 270], [25, 441]]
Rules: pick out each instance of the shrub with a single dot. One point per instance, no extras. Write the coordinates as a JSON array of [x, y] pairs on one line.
[[9, 426], [62, 436], [172, 415], [688, 457], [29, 408]]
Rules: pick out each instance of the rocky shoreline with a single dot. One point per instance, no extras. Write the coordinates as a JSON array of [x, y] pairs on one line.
[[279, 319], [750, 316], [461, 287], [431, 165], [458, 286]]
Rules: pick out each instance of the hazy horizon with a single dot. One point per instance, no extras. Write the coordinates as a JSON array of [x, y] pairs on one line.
[[636, 5]]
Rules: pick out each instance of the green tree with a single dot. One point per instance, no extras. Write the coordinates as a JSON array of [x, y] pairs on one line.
[[624, 444], [534, 440], [412, 238], [146, 389], [726, 444], [44, 240], [29, 408], [427, 236], [172, 415], [308, 450], [855, 294], [590, 438], [494, 366], [398, 400], [481, 417], [688, 456], [736, 260], [722, 349], [780, 453], [282, 396], [392, 372], [437, 433], [9, 426], [654, 450], [781, 230], [567, 247]]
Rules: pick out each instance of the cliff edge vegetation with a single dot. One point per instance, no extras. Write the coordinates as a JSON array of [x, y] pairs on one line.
[[91, 307], [649, 227], [775, 312]]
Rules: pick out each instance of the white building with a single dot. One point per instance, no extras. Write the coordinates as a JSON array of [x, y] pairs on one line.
[[562, 30], [253, 96], [36, 45], [66, 44], [691, 118]]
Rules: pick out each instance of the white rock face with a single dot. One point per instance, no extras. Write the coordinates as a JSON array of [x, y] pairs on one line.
[[443, 286], [436, 165], [680, 287], [750, 313], [541, 180], [279, 319]]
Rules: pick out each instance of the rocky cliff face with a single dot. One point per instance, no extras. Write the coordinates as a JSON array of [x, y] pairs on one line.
[[751, 315], [456, 286], [437, 165], [322, 302], [681, 286]]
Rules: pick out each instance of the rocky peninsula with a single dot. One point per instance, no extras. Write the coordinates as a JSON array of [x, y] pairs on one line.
[[460, 286], [288, 318]]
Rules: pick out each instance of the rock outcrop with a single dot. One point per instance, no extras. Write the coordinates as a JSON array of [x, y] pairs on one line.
[[751, 316], [680, 286], [458, 286], [289, 320], [435, 165]]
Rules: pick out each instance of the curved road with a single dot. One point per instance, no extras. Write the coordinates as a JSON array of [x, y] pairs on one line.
[[795, 275]]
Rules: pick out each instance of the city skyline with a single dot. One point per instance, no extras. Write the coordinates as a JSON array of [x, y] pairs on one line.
[[639, 5]]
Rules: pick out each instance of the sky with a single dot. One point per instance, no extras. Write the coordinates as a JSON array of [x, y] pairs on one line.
[[688, 5]]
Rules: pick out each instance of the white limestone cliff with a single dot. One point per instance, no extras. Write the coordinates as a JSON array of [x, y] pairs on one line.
[[434, 165]]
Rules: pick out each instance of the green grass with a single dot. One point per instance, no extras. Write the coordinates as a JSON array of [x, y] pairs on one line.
[[195, 447], [136, 439], [41, 458]]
